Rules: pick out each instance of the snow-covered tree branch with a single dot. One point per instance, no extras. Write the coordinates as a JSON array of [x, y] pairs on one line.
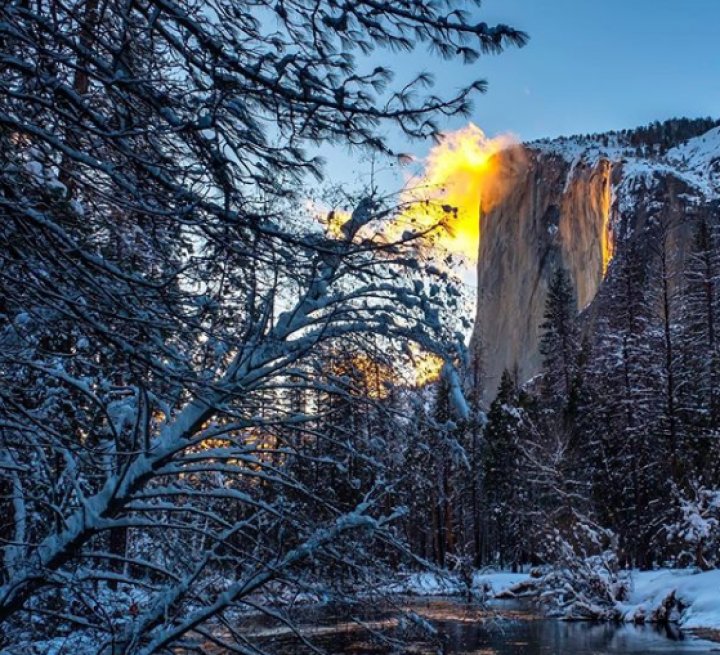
[[177, 338]]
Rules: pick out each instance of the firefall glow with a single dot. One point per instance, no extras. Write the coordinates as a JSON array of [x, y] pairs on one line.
[[461, 178], [607, 243]]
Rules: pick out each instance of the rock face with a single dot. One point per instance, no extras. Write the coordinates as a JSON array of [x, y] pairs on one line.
[[571, 203]]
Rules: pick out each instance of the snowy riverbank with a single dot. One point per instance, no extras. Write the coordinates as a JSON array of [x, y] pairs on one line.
[[697, 595], [683, 596]]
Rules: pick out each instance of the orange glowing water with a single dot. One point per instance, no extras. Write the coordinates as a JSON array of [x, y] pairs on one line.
[[607, 244]]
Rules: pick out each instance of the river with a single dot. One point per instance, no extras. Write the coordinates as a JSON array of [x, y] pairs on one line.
[[504, 628]]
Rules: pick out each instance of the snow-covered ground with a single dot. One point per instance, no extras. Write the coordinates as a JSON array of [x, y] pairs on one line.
[[698, 594]]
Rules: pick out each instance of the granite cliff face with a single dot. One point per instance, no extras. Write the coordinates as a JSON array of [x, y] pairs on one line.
[[572, 203]]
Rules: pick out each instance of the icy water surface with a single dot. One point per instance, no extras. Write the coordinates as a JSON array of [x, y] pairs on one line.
[[507, 629]]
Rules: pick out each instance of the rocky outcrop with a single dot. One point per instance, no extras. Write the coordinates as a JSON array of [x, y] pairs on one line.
[[571, 203]]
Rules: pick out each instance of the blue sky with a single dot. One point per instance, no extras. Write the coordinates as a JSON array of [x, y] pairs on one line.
[[589, 67], [596, 66]]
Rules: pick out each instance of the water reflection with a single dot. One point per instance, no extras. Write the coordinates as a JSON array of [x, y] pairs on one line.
[[555, 637], [514, 629]]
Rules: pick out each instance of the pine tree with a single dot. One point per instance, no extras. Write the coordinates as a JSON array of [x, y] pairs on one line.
[[559, 341], [620, 408], [417, 485], [700, 357], [473, 434], [664, 296], [443, 471], [503, 485]]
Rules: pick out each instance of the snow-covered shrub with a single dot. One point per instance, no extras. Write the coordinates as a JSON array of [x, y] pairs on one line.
[[582, 585]]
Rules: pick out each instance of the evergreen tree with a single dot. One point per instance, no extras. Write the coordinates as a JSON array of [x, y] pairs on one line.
[[559, 342], [473, 440], [150, 240], [503, 485], [700, 358], [445, 451], [621, 408], [664, 289], [417, 486]]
